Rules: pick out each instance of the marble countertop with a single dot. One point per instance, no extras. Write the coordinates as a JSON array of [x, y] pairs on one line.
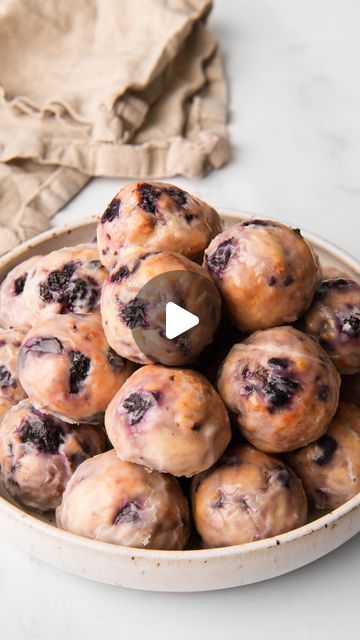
[[294, 125]]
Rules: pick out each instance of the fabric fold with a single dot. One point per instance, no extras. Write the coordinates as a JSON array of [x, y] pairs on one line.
[[120, 89]]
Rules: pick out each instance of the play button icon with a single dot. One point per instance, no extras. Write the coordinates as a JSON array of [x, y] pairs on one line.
[[178, 320], [174, 316]]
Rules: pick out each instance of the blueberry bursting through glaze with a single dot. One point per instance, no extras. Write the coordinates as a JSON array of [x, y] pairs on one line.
[[149, 195], [326, 446], [137, 404], [219, 259], [79, 370], [6, 378], [128, 513], [43, 431], [277, 387], [60, 288], [19, 284], [133, 314], [112, 211]]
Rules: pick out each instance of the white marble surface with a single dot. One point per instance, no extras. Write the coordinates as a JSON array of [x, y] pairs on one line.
[[295, 105]]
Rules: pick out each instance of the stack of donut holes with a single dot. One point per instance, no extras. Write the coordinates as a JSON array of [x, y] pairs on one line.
[[238, 443]]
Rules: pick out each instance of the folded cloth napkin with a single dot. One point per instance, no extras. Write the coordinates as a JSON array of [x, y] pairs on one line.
[[120, 88]]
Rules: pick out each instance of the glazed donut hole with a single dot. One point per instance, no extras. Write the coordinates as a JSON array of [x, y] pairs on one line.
[[156, 216], [334, 319], [266, 272], [67, 368], [282, 386], [170, 420], [330, 467], [247, 496], [133, 307], [39, 453], [115, 501], [14, 312], [67, 280]]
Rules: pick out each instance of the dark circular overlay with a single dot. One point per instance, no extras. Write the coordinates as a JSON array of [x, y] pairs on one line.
[[192, 292]]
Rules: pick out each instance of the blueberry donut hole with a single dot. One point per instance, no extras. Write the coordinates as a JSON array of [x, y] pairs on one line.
[[67, 280], [39, 453], [155, 216], [133, 306], [171, 420], [14, 311], [247, 496], [266, 272], [122, 503], [282, 386], [67, 368], [330, 467], [334, 319]]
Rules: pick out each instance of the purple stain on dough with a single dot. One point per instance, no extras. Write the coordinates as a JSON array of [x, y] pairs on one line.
[[272, 281], [19, 284], [283, 476], [79, 370], [335, 283], [218, 260], [288, 280], [133, 314], [43, 431], [326, 447], [137, 404], [115, 361], [258, 223], [124, 272], [6, 378], [119, 275], [279, 362], [323, 392], [44, 345], [129, 512], [112, 211], [178, 196]]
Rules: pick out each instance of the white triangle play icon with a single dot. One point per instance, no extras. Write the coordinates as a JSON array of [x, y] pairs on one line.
[[178, 320]]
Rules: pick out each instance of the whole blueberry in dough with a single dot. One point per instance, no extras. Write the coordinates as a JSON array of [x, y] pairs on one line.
[[67, 368], [14, 311], [123, 503], [282, 386], [334, 318], [156, 216], [330, 467], [39, 453], [67, 280], [133, 304], [266, 272], [171, 420], [11, 390], [247, 496]]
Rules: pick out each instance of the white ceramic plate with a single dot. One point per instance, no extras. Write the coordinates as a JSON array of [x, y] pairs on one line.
[[198, 570]]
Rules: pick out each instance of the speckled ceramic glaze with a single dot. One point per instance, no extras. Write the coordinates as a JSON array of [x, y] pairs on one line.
[[190, 570]]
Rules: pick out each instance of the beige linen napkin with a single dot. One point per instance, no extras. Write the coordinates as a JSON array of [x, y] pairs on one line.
[[120, 88]]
